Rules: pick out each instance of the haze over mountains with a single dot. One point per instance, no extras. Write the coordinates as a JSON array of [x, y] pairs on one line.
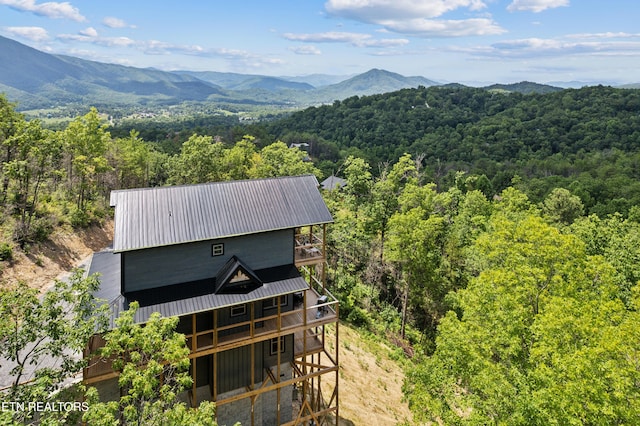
[[35, 79]]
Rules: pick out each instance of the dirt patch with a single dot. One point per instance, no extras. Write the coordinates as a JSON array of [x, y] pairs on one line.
[[370, 388], [66, 249]]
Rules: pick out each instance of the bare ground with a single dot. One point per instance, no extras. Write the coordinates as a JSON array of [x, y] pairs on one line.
[[66, 249], [370, 388]]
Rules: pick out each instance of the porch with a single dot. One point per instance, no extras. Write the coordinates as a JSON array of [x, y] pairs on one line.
[[309, 245], [311, 311]]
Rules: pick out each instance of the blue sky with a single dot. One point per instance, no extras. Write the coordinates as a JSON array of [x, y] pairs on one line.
[[468, 41]]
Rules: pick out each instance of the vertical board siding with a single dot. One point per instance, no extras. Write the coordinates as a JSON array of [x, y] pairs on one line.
[[234, 369]]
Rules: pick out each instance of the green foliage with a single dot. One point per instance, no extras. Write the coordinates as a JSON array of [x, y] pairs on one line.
[[618, 241], [563, 207], [279, 160], [538, 327], [6, 252], [199, 161], [585, 138], [152, 360], [36, 328], [86, 140]]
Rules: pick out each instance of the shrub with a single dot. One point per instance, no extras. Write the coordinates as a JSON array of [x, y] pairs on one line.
[[6, 251], [79, 218]]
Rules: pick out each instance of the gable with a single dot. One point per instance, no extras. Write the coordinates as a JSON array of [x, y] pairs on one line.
[[236, 277]]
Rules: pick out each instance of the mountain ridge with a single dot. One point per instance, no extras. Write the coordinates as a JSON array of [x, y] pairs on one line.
[[36, 79]]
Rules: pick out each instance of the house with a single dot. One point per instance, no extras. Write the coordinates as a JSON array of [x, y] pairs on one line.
[[241, 263], [333, 182]]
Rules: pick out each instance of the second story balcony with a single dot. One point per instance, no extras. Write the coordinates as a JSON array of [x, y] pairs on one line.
[[309, 245]]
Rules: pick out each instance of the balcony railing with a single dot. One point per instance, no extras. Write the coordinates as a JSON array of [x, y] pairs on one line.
[[309, 246], [303, 321], [317, 311]]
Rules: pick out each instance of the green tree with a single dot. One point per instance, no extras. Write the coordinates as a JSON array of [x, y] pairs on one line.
[[239, 160], [35, 162], [52, 326], [562, 207], [199, 161], [359, 181], [152, 360], [414, 244], [130, 160], [539, 338], [10, 123], [87, 141], [384, 196], [279, 160], [618, 240]]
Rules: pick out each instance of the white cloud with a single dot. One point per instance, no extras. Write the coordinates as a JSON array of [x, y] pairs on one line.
[[113, 22], [89, 32], [374, 10], [30, 33], [565, 47], [445, 28], [355, 39], [100, 41], [58, 10], [305, 50], [604, 35], [417, 17], [239, 58], [536, 5]]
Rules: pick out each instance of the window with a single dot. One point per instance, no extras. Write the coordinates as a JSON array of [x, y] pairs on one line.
[[238, 310], [272, 303], [275, 343], [217, 249]]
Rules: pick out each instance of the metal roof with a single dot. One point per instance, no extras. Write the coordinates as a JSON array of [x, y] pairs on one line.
[[185, 298], [162, 216], [333, 182]]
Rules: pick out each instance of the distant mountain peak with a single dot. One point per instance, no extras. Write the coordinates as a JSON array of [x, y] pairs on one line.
[[36, 79]]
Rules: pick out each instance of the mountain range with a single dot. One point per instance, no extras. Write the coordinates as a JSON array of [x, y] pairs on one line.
[[35, 79]]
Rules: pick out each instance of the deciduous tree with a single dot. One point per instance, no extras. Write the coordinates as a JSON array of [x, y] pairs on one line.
[[152, 360]]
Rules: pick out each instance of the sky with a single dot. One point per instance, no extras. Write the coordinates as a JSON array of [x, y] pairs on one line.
[[465, 41]]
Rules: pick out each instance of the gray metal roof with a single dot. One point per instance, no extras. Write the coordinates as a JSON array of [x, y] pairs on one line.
[[211, 301], [184, 300], [333, 182], [154, 217]]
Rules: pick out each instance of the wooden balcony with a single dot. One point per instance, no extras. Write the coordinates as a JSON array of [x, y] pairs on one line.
[[311, 313], [309, 246], [305, 322]]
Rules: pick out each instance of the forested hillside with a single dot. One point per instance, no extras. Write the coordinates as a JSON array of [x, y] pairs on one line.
[[583, 139], [492, 238]]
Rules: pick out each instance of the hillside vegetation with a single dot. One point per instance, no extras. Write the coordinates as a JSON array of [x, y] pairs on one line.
[[583, 139]]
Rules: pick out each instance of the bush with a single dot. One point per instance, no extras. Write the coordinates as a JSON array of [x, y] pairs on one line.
[[359, 317], [6, 251], [79, 218], [42, 227]]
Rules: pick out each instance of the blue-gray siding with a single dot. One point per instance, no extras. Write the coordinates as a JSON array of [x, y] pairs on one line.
[[162, 266], [234, 366]]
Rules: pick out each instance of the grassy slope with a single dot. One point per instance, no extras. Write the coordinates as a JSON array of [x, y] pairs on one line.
[[370, 388]]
